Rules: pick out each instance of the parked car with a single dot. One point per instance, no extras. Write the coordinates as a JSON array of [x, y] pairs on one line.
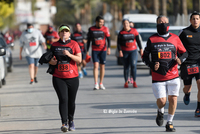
[[176, 29], [3, 67], [8, 56], [142, 20], [145, 34]]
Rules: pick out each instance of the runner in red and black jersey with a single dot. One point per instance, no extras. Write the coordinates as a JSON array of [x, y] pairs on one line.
[[80, 36], [65, 77], [163, 47], [190, 68], [98, 35], [51, 36], [126, 44]]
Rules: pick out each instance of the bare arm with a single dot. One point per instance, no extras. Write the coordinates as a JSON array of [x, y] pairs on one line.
[[44, 45]]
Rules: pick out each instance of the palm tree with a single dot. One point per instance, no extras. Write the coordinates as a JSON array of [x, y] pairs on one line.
[[196, 5], [176, 8], [164, 7], [156, 7]]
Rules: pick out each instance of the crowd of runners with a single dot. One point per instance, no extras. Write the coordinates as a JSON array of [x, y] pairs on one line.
[[68, 54]]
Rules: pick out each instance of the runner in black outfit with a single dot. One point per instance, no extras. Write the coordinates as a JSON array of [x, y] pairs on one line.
[[190, 68]]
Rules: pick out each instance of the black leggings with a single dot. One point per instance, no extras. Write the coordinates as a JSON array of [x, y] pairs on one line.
[[66, 90]]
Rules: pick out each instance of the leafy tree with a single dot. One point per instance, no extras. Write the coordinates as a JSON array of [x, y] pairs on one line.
[[6, 12]]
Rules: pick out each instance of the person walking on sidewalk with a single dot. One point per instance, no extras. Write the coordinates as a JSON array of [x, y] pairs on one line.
[[98, 35], [80, 37], [65, 77], [126, 44], [190, 68], [30, 45], [163, 47]]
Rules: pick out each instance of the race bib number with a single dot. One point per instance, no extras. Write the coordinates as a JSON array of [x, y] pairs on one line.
[[98, 42], [62, 67], [32, 44], [194, 69], [129, 44], [165, 55]]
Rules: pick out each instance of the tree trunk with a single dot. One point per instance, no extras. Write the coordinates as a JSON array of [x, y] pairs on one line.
[[156, 7], [196, 5], [126, 6], [104, 8], [184, 12], [176, 8], [144, 8], [164, 7], [184, 7], [120, 15], [132, 5], [115, 20], [88, 13]]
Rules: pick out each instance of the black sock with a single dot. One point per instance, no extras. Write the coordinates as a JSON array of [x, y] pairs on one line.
[[198, 105]]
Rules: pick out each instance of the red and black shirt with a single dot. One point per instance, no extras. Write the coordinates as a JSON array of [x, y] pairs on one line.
[[78, 37], [50, 35], [164, 50], [98, 37], [127, 40], [66, 67]]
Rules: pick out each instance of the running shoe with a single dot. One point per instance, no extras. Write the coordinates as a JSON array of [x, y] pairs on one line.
[[64, 128], [96, 86], [169, 127], [134, 84], [131, 80], [31, 82], [126, 85], [80, 75], [186, 99], [197, 113], [84, 72], [101, 87], [159, 118], [35, 79], [71, 126]]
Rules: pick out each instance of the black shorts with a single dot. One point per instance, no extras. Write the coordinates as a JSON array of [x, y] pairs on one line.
[[83, 55], [187, 75]]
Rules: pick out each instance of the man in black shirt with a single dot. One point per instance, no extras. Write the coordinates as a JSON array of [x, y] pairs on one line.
[[190, 68]]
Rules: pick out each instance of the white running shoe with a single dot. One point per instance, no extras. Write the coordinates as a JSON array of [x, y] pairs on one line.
[[102, 87], [96, 86]]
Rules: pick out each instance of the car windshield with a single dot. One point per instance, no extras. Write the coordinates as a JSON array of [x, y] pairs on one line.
[[175, 31], [144, 25], [2, 42], [145, 36]]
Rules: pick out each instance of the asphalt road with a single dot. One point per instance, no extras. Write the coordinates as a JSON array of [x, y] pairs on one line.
[[33, 109]]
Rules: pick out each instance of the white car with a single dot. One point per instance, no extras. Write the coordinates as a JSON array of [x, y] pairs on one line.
[[3, 67], [176, 29], [145, 34]]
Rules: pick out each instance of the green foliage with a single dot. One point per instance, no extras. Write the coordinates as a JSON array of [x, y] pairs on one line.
[[6, 12], [65, 13]]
